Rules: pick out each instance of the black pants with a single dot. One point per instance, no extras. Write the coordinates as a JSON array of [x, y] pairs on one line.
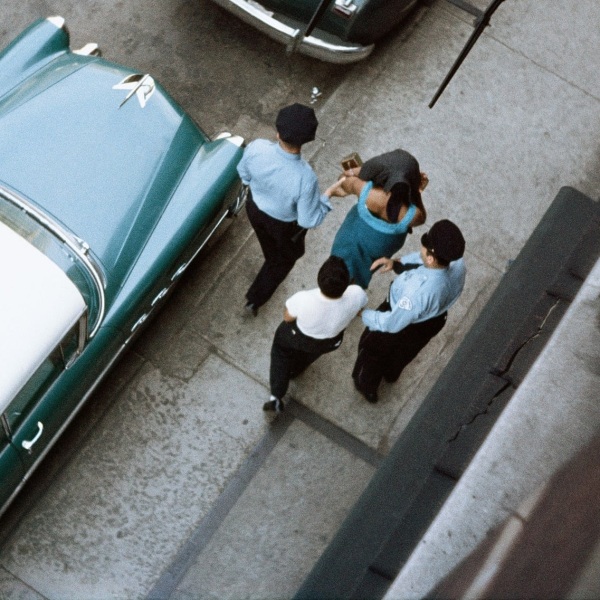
[[384, 355], [282, 244], [292, 352]]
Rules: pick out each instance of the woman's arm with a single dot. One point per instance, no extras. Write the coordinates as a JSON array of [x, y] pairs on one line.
[[421, 214], [345, 186], [353, 185]]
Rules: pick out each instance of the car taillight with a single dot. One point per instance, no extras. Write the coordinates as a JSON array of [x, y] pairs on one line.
[[344, 8]]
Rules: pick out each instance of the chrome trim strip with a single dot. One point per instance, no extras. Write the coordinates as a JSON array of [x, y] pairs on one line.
[[139, 322], [57, 21], [311, 45], [180, 270], [236, 140], [13, 495], [78, 246], [90, 49]]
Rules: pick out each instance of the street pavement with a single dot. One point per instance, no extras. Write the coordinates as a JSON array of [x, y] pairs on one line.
[[257, 500]]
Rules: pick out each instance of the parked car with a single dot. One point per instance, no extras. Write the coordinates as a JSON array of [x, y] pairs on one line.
[[344, 30], [108, 190]]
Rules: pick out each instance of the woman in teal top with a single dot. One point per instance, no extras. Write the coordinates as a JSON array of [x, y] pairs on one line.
[[378, 223]]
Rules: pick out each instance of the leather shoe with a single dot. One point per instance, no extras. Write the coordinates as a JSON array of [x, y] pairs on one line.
[[368, 396], [251, 309], [274, 405]]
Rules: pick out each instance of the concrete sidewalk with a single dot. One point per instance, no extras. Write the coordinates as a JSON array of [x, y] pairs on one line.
[[262, 500], [497, 147]]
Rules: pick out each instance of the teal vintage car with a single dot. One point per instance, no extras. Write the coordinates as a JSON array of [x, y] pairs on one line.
[[336, 31], [108, 190]]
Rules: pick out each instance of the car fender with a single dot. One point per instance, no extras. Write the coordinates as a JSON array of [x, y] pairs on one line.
[[42, 42], [199, 203]]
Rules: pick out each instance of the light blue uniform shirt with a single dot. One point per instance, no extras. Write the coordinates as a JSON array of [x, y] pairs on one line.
[[418, 295], [283, 185]]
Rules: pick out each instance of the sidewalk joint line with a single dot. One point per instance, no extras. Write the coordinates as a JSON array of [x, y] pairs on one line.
[[335, 434], [212, 521]]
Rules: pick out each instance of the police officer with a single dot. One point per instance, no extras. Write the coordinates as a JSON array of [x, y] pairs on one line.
[[428, 284], [284, 198]]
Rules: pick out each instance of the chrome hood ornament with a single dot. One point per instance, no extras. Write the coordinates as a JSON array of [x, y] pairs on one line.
[[142, 86]]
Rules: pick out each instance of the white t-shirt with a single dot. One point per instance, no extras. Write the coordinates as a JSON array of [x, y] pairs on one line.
[[320, 317]]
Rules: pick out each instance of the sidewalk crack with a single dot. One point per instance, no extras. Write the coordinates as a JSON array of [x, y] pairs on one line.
[[503, 373]]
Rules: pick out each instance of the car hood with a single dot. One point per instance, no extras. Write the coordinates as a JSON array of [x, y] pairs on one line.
[[104, 169]]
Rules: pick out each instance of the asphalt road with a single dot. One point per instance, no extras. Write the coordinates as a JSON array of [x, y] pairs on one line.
[[224, 73]]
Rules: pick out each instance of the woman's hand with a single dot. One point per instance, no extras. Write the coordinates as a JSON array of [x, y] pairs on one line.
[[382, 264], [337, 189]]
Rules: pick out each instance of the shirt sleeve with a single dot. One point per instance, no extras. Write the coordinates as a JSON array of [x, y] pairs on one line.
[[358, 295], [401, 316], [293, 303], [312, 206], [242, 167], [363, 298], [406, 310], [412, 258]]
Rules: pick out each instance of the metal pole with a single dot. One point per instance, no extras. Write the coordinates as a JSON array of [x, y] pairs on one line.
[[300, 35], [480, 25], [317, 16]]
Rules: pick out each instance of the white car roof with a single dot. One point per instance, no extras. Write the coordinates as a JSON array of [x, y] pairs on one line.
[[38, 306]]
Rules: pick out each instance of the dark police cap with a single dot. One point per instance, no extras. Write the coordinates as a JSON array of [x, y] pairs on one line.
[[445, 240], [296, 124]]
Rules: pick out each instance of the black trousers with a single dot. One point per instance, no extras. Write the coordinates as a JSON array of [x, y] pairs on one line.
[[282, 244], [292, 352], [384, 355]]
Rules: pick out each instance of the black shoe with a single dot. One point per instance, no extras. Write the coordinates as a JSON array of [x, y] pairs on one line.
[[274, 405], [368, 396], [251, 308]]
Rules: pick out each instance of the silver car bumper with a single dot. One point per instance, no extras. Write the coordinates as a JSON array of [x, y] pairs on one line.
[[334, 52]]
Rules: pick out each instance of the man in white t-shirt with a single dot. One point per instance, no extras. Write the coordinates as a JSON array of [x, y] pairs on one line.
[[313, 324]]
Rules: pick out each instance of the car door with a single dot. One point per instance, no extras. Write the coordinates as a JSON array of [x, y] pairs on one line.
[[11, 468], [38, 411]]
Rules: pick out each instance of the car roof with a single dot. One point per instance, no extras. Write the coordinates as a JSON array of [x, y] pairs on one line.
[[38, 305]]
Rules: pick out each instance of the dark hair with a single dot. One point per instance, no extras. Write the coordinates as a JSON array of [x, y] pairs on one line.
[[440, 261], [399, 196], [333, 277]]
